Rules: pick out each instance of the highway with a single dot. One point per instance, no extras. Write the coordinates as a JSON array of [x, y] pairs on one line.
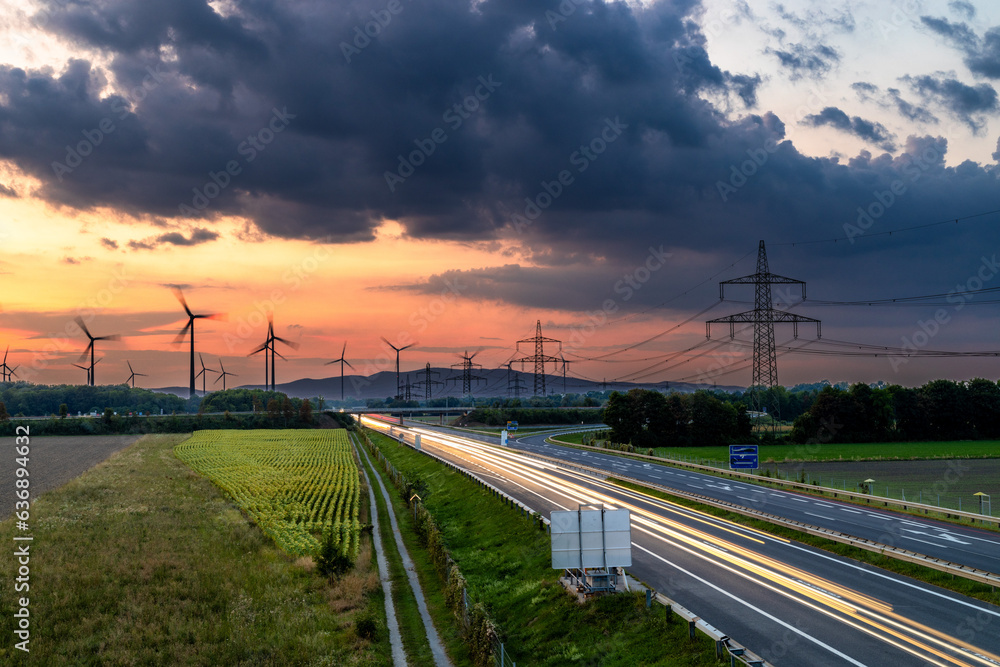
[[963, 545], [792, 604]]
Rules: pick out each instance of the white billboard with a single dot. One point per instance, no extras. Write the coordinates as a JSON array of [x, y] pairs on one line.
[[591, 537]]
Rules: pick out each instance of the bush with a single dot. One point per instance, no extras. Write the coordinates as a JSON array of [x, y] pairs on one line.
[[332, 562], [367, 626]]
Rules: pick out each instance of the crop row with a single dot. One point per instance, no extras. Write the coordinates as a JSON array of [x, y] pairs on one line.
[[294, 484]]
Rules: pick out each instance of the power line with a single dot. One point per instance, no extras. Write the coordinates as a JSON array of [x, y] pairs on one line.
[[890, 232]]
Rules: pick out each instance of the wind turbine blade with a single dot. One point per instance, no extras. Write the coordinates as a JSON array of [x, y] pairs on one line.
[[217, 379], [79, 323], [87, 351], [389, 344], [130, 366], [290, 343], [407, 347], [348, 363], [8, 350], [141, 375], [202, 360], [180, 337], [111, 337], [335, 361], [262, 348], [180, 297], [343, 351], [279, 354]]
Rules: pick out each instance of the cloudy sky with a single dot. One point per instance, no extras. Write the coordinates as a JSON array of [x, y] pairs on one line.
[[447, 173]]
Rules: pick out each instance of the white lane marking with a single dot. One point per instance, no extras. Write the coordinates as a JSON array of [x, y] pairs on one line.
[[825, 518], [822, 504], [788, 626], [800, 500], [695, 486], [940, 536], [844, 509]]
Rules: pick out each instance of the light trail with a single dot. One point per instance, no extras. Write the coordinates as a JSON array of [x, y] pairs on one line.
[[664, 522]]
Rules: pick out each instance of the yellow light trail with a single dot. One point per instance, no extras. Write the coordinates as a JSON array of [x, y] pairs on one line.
[[871, 616]]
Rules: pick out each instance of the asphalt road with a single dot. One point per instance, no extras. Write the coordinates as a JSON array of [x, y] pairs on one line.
[[792, 604], [963, 545]]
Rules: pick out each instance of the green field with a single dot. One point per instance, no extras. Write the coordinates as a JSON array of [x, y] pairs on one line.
[[141, 561], [296, 485]]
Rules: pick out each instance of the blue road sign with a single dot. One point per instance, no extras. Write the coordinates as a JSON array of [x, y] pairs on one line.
[[743, 457], [511, 426]]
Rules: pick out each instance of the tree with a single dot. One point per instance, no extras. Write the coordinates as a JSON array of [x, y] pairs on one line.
[[946, 410], [273, 409], [3, 412], [306, 412], [63, 410], [984, 408]]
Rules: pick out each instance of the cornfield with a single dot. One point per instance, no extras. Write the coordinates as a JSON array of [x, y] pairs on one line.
[[294, 484]]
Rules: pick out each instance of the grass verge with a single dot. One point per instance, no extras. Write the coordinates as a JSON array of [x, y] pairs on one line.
[[973, 589], [142, 561], [411, 628], [506, 562]]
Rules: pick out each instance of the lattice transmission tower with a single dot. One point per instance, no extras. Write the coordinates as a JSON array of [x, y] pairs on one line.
[[763, 317], [539, 358], [467, 376], [428, 382]]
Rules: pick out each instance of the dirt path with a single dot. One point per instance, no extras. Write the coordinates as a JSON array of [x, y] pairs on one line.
[[54, 460], [437, 648], [395, 639]]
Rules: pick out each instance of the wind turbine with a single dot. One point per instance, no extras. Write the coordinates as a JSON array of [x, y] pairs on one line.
[[190, 325], [203, 374], [5, 370], [398, 350], [269, 346], [131, 378], [342, 361], [90, 347], [87, 368], [223, 374]]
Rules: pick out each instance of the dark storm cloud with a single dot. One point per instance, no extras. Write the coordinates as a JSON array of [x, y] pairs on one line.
[[870, 131], [584, 137], [968, 103], [812, 61], [892, 99], [982, 55]]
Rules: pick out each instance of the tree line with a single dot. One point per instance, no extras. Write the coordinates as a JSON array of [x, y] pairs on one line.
[[645, 418], [939, 410]]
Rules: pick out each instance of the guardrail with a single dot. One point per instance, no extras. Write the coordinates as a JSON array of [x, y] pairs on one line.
[[724, 645], [973, 574], [812, 488]]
